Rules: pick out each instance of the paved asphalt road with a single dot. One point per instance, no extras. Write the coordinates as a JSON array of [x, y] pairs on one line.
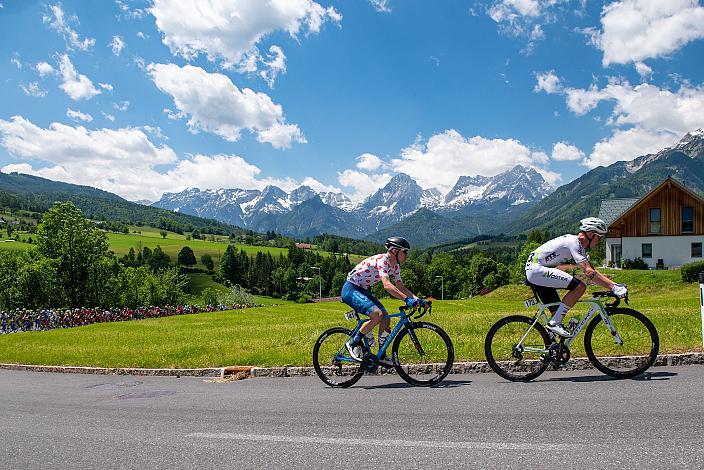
[[568, 419]]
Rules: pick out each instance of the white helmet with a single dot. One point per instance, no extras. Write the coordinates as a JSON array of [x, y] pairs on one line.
[[593, 224]]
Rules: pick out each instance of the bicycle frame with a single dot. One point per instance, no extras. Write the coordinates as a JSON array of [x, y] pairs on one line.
[[404, 319], [596, 307]]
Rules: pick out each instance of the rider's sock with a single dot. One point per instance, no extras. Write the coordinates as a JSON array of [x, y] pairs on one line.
[[560, 314]]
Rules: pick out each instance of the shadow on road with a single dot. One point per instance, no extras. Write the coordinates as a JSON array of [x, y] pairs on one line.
[[604, 378], [443, 384]]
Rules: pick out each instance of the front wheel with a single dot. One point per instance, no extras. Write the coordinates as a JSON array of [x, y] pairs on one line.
[[517, 349], [423, 354], [638, 351], [332, 361]]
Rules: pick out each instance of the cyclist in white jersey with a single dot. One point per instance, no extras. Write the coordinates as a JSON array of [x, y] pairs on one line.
[[545, 270], [355, 292]]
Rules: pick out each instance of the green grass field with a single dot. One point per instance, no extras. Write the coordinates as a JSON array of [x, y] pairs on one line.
[[283, 335]]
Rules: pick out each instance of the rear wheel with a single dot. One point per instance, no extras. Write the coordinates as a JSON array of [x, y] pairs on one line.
[[511, 358], [638, 351], [332, 361], [423, 354]]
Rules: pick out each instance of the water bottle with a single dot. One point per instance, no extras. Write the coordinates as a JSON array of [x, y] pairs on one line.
[[572, 324], [382, 338]]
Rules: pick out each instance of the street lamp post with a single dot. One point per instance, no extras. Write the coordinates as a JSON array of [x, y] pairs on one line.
[[442, 287], [320, 281]]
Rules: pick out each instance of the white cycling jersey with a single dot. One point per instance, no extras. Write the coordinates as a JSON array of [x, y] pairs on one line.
[[558, 251], [540, 265]]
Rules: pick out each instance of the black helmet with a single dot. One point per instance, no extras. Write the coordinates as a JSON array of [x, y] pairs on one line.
[[397, 242]]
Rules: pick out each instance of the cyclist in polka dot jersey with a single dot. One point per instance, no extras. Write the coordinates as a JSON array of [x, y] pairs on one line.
[[384, 268]]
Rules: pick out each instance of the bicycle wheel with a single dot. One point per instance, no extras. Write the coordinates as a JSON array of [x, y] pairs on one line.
[[332, 361], [423, 354], [638, 351], [511, 360]]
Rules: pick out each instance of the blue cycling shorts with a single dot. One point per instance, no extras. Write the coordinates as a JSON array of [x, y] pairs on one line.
[[360, 299]]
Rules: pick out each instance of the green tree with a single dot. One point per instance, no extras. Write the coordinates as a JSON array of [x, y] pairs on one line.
[[228, 264], [163, 233], [68, 238], [158, 260], [186, 257], [207, 261], [9, 230]]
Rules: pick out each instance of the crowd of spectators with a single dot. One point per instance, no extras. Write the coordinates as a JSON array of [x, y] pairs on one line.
[[47, 319]]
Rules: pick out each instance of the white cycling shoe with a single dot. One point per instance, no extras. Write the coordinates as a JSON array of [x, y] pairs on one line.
[[355, 351], [558, 329]]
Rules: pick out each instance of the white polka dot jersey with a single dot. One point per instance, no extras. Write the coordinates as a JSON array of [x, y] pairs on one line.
[[372, 270]]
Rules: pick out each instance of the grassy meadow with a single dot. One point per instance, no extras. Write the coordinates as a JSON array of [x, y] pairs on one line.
[[283, 334]]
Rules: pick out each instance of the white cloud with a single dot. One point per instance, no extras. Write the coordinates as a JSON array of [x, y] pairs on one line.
[[155, 131], [33, 89], [547, 82], [634, 30], [214, 104], [74, 84], [16, 62], [107, 116], [368, 162], [643, 70], [141, 35], [448, 155], [364, 184], [121, 106], [117, 44], [78, 116], [57, 20], [125, 162], [274, 64], [105, 86], [130, 13], [645, 118], [230, 31], [629, 144], [524, 18], [382, 6], [44, 69], [562, 151]]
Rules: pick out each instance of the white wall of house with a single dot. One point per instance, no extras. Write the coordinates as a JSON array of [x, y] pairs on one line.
[[674, 251]]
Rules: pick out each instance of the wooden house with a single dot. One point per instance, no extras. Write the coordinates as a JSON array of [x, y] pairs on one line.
[[665, 227]]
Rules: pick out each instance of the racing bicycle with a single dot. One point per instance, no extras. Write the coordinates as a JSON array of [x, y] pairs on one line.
[[620, 342], [422, 353]]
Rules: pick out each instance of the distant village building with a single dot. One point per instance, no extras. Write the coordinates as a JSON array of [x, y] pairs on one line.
[[304, 246], [665, 227]]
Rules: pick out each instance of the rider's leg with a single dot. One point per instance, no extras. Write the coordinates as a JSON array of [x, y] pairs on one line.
[[375, 316], [577, 290]]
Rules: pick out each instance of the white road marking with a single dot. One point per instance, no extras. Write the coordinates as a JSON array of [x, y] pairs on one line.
[[384, 443]]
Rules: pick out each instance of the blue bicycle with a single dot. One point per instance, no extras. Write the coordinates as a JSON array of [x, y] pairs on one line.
[[422, 353]]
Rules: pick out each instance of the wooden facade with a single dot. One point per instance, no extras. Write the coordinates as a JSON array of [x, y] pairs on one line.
[[670, 197]]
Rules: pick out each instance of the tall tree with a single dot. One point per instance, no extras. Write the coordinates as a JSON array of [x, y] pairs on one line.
[[67, 237], [186, 257]]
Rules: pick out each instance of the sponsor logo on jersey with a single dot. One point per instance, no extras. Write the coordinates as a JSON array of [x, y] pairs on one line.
[[550, 257], [552, 275]]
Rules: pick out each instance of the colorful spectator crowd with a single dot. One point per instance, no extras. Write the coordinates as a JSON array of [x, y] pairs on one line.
[[48, 319]]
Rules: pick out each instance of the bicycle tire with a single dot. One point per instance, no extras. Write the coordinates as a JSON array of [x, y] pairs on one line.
[[330, 370], [507, 363], [437, 347], [638, 352]]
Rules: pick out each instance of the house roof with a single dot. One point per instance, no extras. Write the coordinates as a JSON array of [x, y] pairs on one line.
[[611, 209], [667, 181]]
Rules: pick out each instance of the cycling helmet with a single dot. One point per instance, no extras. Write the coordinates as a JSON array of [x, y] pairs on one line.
[[397, 242], [593, 224]]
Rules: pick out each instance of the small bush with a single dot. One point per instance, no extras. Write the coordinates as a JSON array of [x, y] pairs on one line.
[[690, 271], [636, 263], [235, 295]]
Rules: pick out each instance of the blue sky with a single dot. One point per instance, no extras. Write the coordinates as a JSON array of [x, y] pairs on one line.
[[144, 97]]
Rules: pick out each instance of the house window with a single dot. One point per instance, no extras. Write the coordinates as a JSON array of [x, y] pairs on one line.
[[654, 220], [647, 250], [687, 219], [696, 250]]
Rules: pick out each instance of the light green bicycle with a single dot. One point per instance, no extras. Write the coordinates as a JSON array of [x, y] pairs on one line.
[[620, 342]]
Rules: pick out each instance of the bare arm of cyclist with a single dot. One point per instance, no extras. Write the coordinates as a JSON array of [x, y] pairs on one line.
[[397, 290], [595, 276]]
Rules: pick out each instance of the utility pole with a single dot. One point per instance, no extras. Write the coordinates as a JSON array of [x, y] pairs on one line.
[[442, 287]]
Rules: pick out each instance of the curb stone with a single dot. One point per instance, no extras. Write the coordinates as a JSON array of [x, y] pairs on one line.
[[579, 363]]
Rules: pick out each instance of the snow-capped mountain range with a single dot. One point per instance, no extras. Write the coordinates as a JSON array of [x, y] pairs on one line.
[[273, 209]]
